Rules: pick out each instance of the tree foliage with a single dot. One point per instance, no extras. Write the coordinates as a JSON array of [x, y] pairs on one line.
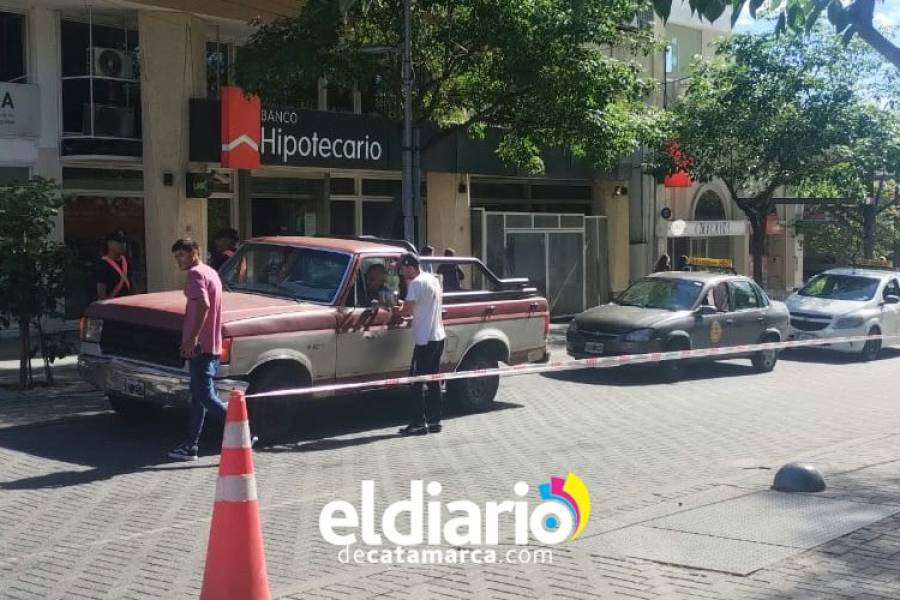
[[854, 18], [770, 111], [31, 272], [541, 72]]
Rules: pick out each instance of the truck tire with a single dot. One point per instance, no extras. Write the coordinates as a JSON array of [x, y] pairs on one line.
[[672, 371], [872, 348], [274, 417], [764, 361], [130, 409], [475, 394]]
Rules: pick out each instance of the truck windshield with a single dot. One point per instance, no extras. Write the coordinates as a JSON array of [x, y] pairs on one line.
[[286, 271], [841, 287], [668, 294]]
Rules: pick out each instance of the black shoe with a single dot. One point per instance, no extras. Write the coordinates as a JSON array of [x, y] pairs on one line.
[[184, 452], [414, 429], [434, 428], [253, 440]]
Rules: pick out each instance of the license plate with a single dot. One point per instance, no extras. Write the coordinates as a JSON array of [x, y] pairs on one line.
[[593, 347], [133, 387]]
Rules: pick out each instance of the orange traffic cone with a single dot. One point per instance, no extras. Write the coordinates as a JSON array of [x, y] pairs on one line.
[[235, 561]]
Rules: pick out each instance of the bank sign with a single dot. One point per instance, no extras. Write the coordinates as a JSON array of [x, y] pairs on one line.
[[254, 134], [19, 116]]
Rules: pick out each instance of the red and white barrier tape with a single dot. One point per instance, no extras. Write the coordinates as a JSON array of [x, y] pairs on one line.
[[600, 362]]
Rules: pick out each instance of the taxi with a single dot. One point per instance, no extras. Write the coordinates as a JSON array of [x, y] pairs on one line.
[[711, 265], [682, 310]]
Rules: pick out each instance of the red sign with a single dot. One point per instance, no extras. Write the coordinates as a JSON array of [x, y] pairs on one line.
[[240, 129], [679, 179]]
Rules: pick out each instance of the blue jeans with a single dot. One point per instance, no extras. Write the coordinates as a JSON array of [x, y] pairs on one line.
[[203, 394]]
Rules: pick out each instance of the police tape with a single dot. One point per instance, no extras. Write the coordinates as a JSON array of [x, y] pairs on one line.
[[598, 362]]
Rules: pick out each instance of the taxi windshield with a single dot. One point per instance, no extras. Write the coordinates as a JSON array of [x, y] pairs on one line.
[[307, 274], [841, 287], [668, 294]]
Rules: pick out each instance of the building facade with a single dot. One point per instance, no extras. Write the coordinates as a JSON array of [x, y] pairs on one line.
[[120, 103]]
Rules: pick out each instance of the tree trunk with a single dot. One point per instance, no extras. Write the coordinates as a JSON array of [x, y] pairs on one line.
[[24, 354], [758, 246], [48, 373], [869, 223]]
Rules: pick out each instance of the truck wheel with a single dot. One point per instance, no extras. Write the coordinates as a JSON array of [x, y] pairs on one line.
[[475, 394], [130, 409], [764, 361], [872, 348], [673, 371], [273, 417]]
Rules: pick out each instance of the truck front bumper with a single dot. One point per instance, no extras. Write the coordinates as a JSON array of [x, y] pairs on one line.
[[144, 382]]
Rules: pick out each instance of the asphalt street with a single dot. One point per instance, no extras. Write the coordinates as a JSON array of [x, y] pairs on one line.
[[91, 508]]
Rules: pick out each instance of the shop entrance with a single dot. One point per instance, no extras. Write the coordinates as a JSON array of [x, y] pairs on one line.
[[562, 254]]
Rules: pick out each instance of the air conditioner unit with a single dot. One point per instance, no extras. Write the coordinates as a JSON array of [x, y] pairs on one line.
[[108, 62], [109, 121]]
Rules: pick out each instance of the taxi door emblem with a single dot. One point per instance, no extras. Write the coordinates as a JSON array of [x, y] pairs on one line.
[[715, 332]]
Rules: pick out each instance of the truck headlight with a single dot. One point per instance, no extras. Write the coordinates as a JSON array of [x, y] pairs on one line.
[[91, 329], [639, 335], [849, 322]]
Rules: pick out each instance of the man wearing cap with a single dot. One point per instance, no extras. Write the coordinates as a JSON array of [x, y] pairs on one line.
[[423, 303], [113, 279]]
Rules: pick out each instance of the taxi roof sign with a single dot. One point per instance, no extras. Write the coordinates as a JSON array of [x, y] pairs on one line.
[[710, 262], [874, 263]]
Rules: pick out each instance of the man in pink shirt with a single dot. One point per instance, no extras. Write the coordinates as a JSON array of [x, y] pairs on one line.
[[201, 340]]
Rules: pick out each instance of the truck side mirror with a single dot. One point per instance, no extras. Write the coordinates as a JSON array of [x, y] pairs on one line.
[[891, 299]]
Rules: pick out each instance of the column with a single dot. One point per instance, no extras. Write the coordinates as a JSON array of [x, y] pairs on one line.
[[614, 207], [448, 212], [43, 34], [173, 69]]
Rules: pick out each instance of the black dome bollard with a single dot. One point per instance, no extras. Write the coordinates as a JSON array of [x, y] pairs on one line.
[[798, 477]]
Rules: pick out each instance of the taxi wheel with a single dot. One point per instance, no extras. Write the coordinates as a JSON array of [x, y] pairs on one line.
[[673, 371], [273, 417], [764, 362], [129, 408], [475, 394], [872, 348]]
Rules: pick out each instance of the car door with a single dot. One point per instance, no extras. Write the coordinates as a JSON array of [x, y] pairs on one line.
[[715, 330], [371, 344], [890, 313], [749, 315]]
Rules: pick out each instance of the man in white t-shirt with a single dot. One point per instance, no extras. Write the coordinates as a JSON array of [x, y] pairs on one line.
[[423, 303]]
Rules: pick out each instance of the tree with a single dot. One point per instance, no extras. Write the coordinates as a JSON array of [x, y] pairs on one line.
[[31, 272], [856, 18], [540, 73], [770, 111]]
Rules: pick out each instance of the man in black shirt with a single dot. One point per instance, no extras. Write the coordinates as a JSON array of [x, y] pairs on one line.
[[451, 274], [224, 247], [113, 277]]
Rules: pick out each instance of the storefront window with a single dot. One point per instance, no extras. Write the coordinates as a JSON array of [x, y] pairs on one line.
[[382, 219], [88, 219], [343, 217], [12, 48]]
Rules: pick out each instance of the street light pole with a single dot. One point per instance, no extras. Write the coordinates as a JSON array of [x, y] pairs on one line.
[[409, 229]]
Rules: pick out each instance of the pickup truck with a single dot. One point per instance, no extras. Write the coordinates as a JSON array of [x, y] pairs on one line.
[[298, 312]]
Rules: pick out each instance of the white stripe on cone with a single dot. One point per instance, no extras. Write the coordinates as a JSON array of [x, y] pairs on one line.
[[236, 488], [237, 435], [568, 365]]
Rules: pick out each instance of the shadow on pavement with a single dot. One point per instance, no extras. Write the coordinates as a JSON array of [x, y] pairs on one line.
[[320, 421], [831, 357], [636, 375]]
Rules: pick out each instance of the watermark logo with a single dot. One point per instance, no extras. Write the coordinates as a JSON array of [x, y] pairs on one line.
[[470, 530]]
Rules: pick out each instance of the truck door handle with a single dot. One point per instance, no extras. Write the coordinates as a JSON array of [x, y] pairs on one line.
[[533, 306], [490, 310]]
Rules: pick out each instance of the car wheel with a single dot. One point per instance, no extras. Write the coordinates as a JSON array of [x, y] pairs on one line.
[[131, 409], [475, 394], [274, 417], [765, 360], [872, 348], [673, 371]]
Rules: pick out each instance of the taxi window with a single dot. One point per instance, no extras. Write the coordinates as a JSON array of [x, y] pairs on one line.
[[744, 297], [717, 296]]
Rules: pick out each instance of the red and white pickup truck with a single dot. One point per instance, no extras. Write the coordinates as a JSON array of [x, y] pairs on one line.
[[297, 312]]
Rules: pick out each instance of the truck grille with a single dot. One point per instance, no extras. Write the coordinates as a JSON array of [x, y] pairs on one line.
[[139, 342]]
